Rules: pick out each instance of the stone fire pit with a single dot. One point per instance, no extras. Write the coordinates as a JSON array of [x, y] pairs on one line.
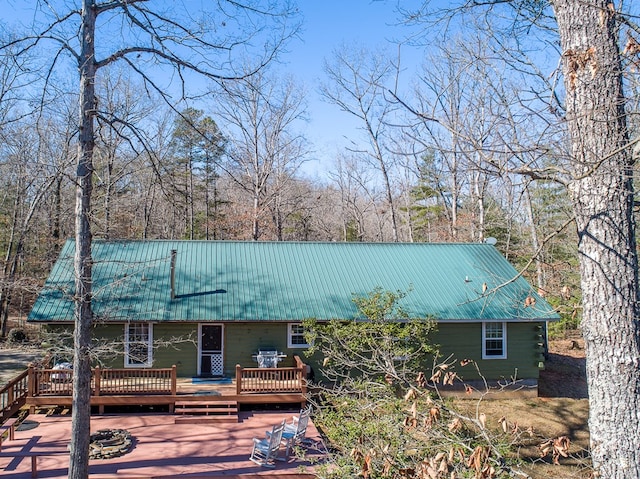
[[108, 443]]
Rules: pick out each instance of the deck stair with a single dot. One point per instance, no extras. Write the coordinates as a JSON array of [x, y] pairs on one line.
[[200, 410]]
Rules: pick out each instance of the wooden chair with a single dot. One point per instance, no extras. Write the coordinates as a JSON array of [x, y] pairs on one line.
[[295, 431], [265, 451]]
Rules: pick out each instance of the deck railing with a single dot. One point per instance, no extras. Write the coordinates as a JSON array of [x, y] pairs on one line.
[[112, 382], [104, 382], [13, 395], [272, 380], [135, 381], [37, 385]]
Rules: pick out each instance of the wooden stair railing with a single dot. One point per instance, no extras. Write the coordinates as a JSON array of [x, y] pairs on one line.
[[13, 396]]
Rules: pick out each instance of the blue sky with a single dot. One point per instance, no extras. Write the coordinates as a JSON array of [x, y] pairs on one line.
[[327, 25]]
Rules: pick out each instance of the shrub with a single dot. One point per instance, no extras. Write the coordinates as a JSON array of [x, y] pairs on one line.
[[17, 335]]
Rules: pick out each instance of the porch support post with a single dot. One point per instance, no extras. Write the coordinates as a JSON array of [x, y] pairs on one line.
[[238, 379], [174, 380], [32, 381], [96, 381]]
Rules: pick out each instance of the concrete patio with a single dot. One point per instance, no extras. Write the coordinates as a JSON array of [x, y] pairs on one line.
[[162, 448]]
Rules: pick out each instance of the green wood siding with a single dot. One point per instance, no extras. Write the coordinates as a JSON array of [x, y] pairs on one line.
[[244, 339], [183, 350], [241, 340], [464, 341]]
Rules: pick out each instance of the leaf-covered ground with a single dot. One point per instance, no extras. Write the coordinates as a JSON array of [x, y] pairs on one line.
[[561, 410]]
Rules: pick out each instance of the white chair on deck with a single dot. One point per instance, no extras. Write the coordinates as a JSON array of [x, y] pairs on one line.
[[265, 451], [295, 431]]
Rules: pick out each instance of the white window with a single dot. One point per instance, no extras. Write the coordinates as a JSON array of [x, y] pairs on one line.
[[295, 336], [138, 342], [494, 340]]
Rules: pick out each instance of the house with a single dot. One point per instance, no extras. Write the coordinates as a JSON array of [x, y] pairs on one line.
[[238, 298]]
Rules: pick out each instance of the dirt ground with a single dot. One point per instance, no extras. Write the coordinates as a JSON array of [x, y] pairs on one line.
[[564, 374], [15, 359]]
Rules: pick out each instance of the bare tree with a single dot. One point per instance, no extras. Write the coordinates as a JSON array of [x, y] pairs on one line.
[[184, 40], [259, 115], [152, 183], [116, 156], [27, 176], [357, 82], [466, 118], [358, 200], [14, 75]]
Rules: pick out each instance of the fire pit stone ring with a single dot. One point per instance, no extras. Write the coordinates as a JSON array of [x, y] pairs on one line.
[[108, 443]]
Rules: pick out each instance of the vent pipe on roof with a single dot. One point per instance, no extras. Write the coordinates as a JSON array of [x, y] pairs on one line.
[[174, 254]]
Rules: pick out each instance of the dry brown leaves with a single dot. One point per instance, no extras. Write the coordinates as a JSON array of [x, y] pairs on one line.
[[558, 447]]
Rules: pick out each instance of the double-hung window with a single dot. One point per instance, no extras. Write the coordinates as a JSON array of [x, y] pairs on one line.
[[295, 336], [138, 345], [494, 340]]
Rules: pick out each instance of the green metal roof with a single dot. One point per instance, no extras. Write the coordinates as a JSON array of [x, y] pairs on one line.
[[288, 281]]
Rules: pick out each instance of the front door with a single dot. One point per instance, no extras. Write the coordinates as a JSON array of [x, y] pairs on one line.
[[210, 350]]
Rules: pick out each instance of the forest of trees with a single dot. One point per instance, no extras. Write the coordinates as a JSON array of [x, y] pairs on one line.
[[233, 169]]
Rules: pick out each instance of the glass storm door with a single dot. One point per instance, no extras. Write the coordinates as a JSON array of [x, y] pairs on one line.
[[211, 350]]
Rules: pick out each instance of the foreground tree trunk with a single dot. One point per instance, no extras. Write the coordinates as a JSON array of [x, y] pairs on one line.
[[81, 410], [602, 195]]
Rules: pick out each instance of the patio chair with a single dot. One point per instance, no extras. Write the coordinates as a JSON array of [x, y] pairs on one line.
[[265, 451], [295, 431]]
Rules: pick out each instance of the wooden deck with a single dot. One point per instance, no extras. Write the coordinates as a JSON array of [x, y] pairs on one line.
[[163, 448], [154, 386]]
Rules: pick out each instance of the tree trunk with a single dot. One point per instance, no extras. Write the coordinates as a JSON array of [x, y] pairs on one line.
[[255, 224], [81, 410], [6, 285], [190, 197], [109, 187], [479, 188], [455, 192], [11, 266], [602, 196], [207, 182], [535, 242], [57, 211]]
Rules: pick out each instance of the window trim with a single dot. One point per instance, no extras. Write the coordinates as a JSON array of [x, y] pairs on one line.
[[149, 362], [485, 339], [290, 334]]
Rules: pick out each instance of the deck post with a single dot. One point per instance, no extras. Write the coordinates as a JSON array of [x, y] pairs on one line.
[[96, 381], [11, 393], [31, 381], [238, 379], [302, 378], [96, 386], [174, 380], [31, 386]]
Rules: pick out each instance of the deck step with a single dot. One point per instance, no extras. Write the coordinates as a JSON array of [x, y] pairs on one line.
[[205, 400], [199, 419], [204, 410]]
